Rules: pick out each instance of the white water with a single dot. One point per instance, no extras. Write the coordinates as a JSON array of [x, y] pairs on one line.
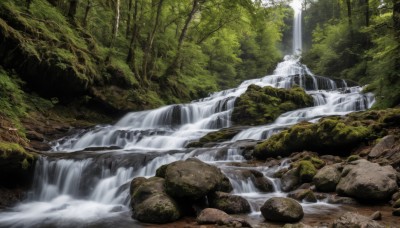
[[77, 192]]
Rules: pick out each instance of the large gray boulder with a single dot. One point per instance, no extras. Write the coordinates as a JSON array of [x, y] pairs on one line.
[[327, 178], [150, 203], [228, 203], [281, 209], [192, 179], [385, 143], [350, 219], [365, 180]]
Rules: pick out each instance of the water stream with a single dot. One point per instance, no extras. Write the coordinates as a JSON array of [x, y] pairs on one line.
[[77, 188]]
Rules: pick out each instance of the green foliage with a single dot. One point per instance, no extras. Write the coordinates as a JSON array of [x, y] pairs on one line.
[[12, 102], [366, 53], [263, 105]]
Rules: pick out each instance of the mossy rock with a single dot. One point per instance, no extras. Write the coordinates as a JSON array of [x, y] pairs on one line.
[[16, 165], [329, 135], [263, 105], [221, 135], [306, 171]]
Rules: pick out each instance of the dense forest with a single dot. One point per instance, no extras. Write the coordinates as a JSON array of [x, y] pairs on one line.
[[357, 40]]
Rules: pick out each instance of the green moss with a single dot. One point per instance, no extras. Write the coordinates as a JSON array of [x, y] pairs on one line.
[[263, 105], [328, 135], [306, 171], [396, 204], [353, 158]]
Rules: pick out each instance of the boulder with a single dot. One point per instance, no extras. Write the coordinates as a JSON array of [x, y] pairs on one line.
[[327, 178], [290, 180], [215, 216], [281, 209], [377, 215], [231, 204], [365, 180], [307, 171], [262, 183], [305, 195], [192, 179], [385, 143], [211, 216], [151, 204], [350, 219], [334, 199]]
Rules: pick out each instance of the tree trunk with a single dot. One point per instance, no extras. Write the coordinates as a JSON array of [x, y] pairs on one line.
[[87, 9], [150, 39], [128, 23], [53, 2], [396, 27], [132, 46], [367, 13], [115, 23], [28, 4], [175, 64], [349, 18], [73, 5]]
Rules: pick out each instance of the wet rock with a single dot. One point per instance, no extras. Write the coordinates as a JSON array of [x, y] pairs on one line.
[[290, 180], [331, 159], [396, 212], [305, 195], [230, 204], [350, 219], [327, 178], [281, 209], [385, 143], [192, 179], [151, 204], [135, 183], [211, 216], [396, 204], [297, 225], [377, 215], [341, 200], [367, 181], [225, 185], [215, 216], [259, 180]]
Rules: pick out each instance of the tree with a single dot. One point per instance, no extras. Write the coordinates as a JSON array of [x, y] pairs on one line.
[[73, 5]]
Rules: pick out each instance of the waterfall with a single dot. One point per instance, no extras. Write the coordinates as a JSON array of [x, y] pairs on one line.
[[82, 188]]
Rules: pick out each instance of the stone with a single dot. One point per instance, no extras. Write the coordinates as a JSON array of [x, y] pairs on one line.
[[377, 215], [150, 203], [215, 216], [368, 181], [305, 195], [327, 178], [279, 209], [192, 179], [341, 200], [350, 219], [262, 183], [396, 212], [211, 216], [385, 143], [228, 203], [290, 180]]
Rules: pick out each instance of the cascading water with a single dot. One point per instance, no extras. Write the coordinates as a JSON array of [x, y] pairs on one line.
[[80, 188]]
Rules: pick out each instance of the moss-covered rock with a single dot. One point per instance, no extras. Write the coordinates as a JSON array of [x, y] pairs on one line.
[[16, 165], [221, 135], [263, 105], [306, 171], [329, 135], [230, 204], [327, 178], [282, 210], [150, 203]]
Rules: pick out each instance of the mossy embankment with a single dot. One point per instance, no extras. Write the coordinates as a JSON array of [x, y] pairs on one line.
[[332, 135], [262, 105]]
